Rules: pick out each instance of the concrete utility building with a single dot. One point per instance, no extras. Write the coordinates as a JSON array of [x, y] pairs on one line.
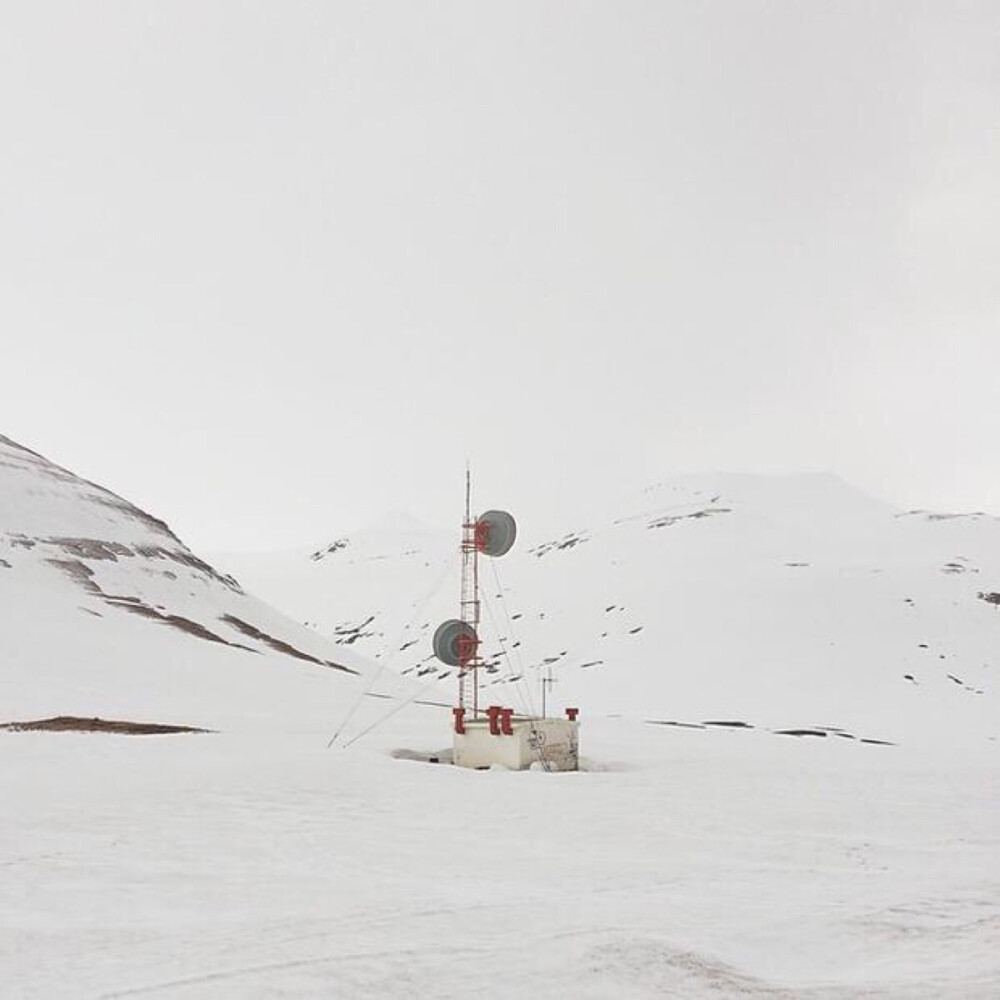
[[516, 742]]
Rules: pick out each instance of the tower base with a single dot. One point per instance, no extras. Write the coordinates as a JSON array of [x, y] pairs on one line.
[[552, 744]]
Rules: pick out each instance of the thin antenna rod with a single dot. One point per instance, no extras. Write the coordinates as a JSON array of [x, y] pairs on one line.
[[468, 493]]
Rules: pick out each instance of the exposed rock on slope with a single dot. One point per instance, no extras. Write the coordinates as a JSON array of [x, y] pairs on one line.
[[104, 606], [796, 604]]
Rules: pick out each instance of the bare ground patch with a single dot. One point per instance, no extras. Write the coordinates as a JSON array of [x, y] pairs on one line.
[[280, 645], [75, 724]]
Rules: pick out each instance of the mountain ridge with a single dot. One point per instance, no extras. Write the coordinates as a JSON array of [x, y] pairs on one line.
[[791, 602], [106, 609]]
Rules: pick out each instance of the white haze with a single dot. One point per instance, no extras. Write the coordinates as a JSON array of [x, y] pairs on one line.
[[273, 269]]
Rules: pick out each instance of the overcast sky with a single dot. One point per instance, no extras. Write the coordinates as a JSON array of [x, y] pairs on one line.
[[273, 269]]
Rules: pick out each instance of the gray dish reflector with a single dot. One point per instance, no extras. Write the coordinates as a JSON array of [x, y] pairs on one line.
[[450, 638], [495, 532]]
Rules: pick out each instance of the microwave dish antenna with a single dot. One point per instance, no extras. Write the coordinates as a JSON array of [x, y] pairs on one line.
[[496, 531], [455, 642]]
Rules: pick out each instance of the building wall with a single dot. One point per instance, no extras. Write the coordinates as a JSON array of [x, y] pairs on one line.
[[554, 743]]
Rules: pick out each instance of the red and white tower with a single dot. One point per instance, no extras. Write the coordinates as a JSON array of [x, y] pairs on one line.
[[496, 736], [456, 641]]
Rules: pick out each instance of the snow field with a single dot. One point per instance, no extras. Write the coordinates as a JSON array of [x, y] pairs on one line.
[[687, 863]]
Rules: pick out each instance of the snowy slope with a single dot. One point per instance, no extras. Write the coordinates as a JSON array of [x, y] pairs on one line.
[[106, 613], [778, 602], [681, 862]]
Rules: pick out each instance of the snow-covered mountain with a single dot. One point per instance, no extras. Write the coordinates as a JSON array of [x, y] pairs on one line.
[[789, 603], [106, 613], [681, 862]]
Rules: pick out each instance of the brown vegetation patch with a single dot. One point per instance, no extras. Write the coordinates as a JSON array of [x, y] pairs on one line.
[[189, 559], [74, 724], [137, 607], [84, 575], [91, 548], [667, 521], [96, 549], [80, 572], [280, 645]]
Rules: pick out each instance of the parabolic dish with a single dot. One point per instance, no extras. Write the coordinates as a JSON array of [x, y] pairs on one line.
[[495, 532], [452, 639]]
